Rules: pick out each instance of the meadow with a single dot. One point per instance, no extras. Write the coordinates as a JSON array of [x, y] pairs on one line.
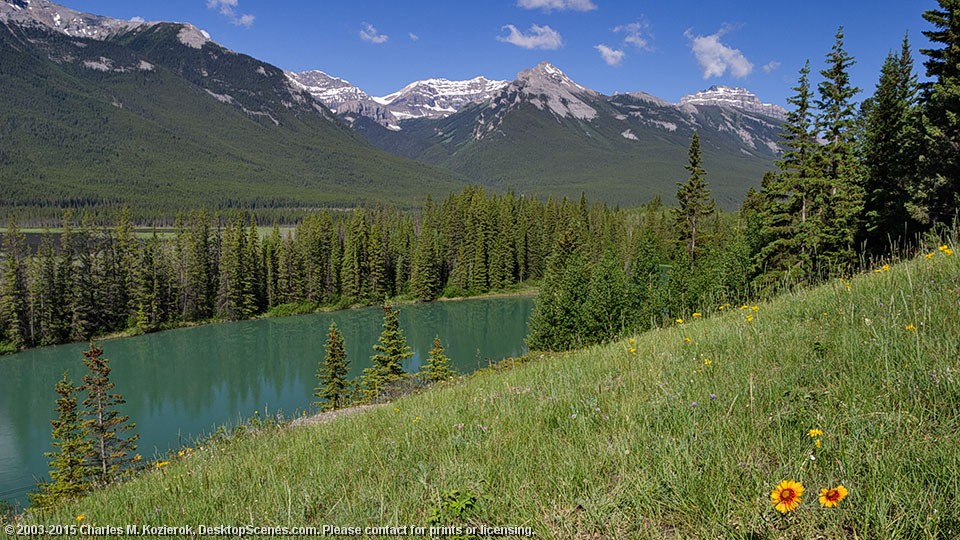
[[680, 432]]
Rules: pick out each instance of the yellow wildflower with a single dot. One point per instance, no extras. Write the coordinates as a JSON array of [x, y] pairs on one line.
[[631, 341], [755, 308], [814, 433], [137, 457], [81, 517], [817, 443], [707, 361], [697, 315], [632, 350], [910, 328], [830, 498], [750, 317], [786, 496], [930, 255], [417, 419], [162, 464], [686, 340], [679, 321]]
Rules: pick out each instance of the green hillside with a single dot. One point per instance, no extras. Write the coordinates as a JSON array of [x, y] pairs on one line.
[[682, 432], [190, 127]]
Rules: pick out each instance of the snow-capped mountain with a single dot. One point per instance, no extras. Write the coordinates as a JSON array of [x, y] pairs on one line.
[[736, 98], [341, 97], [430, 98], [437, 98]]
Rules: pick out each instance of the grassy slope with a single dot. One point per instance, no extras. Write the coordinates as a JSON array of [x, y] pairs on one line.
[[607, 441]]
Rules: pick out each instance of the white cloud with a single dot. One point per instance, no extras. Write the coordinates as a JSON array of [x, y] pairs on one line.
[[715, 58], [612, 57], [413, 37], [558, 5], [540, 37], [228, 8], [137, 19], [770, 66], [371, 34], [638, 34]]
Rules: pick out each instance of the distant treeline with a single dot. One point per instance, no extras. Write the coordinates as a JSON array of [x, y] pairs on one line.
[[94, 279]]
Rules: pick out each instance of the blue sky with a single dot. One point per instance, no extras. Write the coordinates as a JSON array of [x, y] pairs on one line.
[[667, 49]]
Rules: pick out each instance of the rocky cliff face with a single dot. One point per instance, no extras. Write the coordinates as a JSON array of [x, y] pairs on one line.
[[734, 98]]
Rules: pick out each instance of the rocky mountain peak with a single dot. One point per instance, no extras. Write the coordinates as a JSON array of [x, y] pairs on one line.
[[62, 19], [735, 98], [546, 87]]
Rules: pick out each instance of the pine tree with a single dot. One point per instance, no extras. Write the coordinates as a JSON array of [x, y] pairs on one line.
[[785, 201], [605, 307], [110, 450], [392, 350], [890, 151], [13, 289], [695, 203], [70, 473], [438, 366], [332, 373], [936, 198], [838, 193]]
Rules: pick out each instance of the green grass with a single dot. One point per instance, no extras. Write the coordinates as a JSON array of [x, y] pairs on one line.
[[605, 443]]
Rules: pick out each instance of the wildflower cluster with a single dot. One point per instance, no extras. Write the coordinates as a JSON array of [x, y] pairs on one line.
[[944, 249], [788, 494]]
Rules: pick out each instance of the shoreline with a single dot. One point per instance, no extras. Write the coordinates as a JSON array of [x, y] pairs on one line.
[[525, 291]]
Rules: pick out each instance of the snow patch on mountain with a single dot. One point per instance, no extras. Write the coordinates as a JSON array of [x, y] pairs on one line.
[[734, 98], [64, 20], [438, 98]]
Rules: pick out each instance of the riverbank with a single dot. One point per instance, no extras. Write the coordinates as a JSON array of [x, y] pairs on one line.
[[677, 432], [527, 289]]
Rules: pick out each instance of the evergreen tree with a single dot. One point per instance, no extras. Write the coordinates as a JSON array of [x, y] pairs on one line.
[[332, 373], [13, 289], [785, 201], [831, 231], [937, 197], [695, 203], [438, 366], [605, 306], [70, 473], [392, 350], [110, 450], [890, 151]]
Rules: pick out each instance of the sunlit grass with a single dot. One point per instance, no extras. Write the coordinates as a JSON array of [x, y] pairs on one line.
[[682, 432]]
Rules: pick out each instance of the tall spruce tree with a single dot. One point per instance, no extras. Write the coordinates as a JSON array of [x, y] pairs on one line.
[[694, 201], [937, 197], [112, 448], [13, 289], [70, 471], [332, 373], [387, 364], [838, 193], [785, 200], [890, 151]]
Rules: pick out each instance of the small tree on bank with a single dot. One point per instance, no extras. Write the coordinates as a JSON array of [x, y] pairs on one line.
[[438, 366], [70, 471], [332, 373], [391, 350], [110, 451]]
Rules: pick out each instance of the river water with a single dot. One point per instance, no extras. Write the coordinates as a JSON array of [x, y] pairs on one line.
[[182, 384]]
